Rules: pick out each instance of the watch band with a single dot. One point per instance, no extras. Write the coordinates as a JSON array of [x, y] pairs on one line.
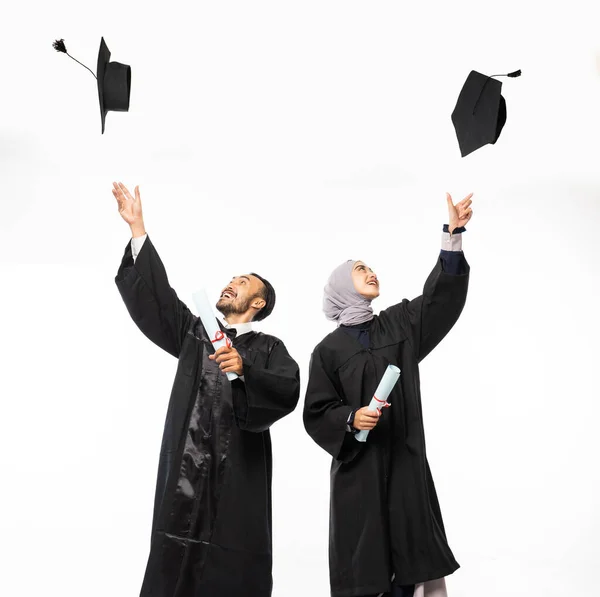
[[350, 422], [458, 230]]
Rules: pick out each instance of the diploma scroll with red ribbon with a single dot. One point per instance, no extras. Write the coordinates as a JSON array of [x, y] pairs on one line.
[[379, 400], [209, 321]]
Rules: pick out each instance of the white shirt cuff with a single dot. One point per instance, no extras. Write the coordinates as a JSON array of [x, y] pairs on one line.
[[137, 242], [451, 243]]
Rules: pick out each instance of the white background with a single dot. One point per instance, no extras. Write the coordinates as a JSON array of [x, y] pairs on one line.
[[286, 137]]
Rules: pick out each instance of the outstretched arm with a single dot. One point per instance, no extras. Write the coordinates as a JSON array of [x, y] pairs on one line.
[[430, 316], [143, 283]]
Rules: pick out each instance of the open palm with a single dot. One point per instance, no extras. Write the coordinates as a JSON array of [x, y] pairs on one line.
[[130, 207]]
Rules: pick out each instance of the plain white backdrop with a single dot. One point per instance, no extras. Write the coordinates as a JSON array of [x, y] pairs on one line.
[[284, 137]]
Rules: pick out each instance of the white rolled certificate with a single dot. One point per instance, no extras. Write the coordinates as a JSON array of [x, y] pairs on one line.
[[209, 321], [379, 400]]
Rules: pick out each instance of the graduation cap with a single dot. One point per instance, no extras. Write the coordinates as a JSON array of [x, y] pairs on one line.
[[480, 111], [114, 80]]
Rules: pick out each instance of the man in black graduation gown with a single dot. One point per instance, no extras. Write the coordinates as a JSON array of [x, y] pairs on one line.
[[211, 529], [385, 519]]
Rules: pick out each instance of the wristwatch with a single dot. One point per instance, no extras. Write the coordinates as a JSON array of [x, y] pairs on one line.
[[350, 422], [456, 230]]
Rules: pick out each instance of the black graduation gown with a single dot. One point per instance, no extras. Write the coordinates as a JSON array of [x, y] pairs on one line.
[[211, 530], [384, 512]]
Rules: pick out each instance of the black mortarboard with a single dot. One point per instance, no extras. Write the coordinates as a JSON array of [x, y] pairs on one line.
[[269, 300], [480, 111], [114, 80]]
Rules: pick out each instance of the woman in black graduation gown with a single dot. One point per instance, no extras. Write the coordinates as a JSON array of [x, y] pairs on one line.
[[385, 520]]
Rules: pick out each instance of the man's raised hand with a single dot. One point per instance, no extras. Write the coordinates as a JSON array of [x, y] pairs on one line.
[[130, 207]]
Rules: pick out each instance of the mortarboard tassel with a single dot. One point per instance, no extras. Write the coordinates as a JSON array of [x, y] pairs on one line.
[[59, 46], [516, 73]]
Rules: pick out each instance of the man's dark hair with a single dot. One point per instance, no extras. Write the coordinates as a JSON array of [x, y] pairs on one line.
[[267, 293]]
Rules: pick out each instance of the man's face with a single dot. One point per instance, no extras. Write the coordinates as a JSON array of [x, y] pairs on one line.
[[365, 281], [242, 293]]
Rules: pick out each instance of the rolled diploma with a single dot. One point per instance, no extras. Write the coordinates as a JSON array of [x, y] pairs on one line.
[[379, 400], [209, 321]]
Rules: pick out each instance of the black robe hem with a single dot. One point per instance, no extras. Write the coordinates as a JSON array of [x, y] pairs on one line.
[[426, 576], [362, 591], [379, 588]]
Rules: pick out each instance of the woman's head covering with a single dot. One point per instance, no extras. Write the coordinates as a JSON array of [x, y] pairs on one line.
[[341, 302]]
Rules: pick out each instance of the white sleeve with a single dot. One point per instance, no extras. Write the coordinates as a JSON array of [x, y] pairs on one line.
[[451, 243], [137, 242]]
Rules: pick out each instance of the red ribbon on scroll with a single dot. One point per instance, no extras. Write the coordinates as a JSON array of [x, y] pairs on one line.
[[220, 336], [385, 404]]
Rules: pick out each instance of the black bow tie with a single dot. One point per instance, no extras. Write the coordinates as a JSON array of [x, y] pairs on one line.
[[231, 332]]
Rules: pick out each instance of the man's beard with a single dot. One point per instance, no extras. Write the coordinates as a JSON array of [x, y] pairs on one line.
[[228, 308]]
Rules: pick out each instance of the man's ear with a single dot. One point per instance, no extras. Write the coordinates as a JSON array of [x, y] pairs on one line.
[[258, 303]]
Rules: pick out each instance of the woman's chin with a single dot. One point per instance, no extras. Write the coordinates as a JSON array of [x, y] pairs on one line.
[[370, 293]]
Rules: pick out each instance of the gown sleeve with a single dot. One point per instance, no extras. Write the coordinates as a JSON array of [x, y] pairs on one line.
[[429, 317], [325, 413], [268, 393], [150, 300]]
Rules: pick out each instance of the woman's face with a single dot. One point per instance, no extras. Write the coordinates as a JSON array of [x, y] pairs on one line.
[[365, 281]]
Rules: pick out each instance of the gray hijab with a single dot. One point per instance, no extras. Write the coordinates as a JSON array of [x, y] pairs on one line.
[[341, 302]]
